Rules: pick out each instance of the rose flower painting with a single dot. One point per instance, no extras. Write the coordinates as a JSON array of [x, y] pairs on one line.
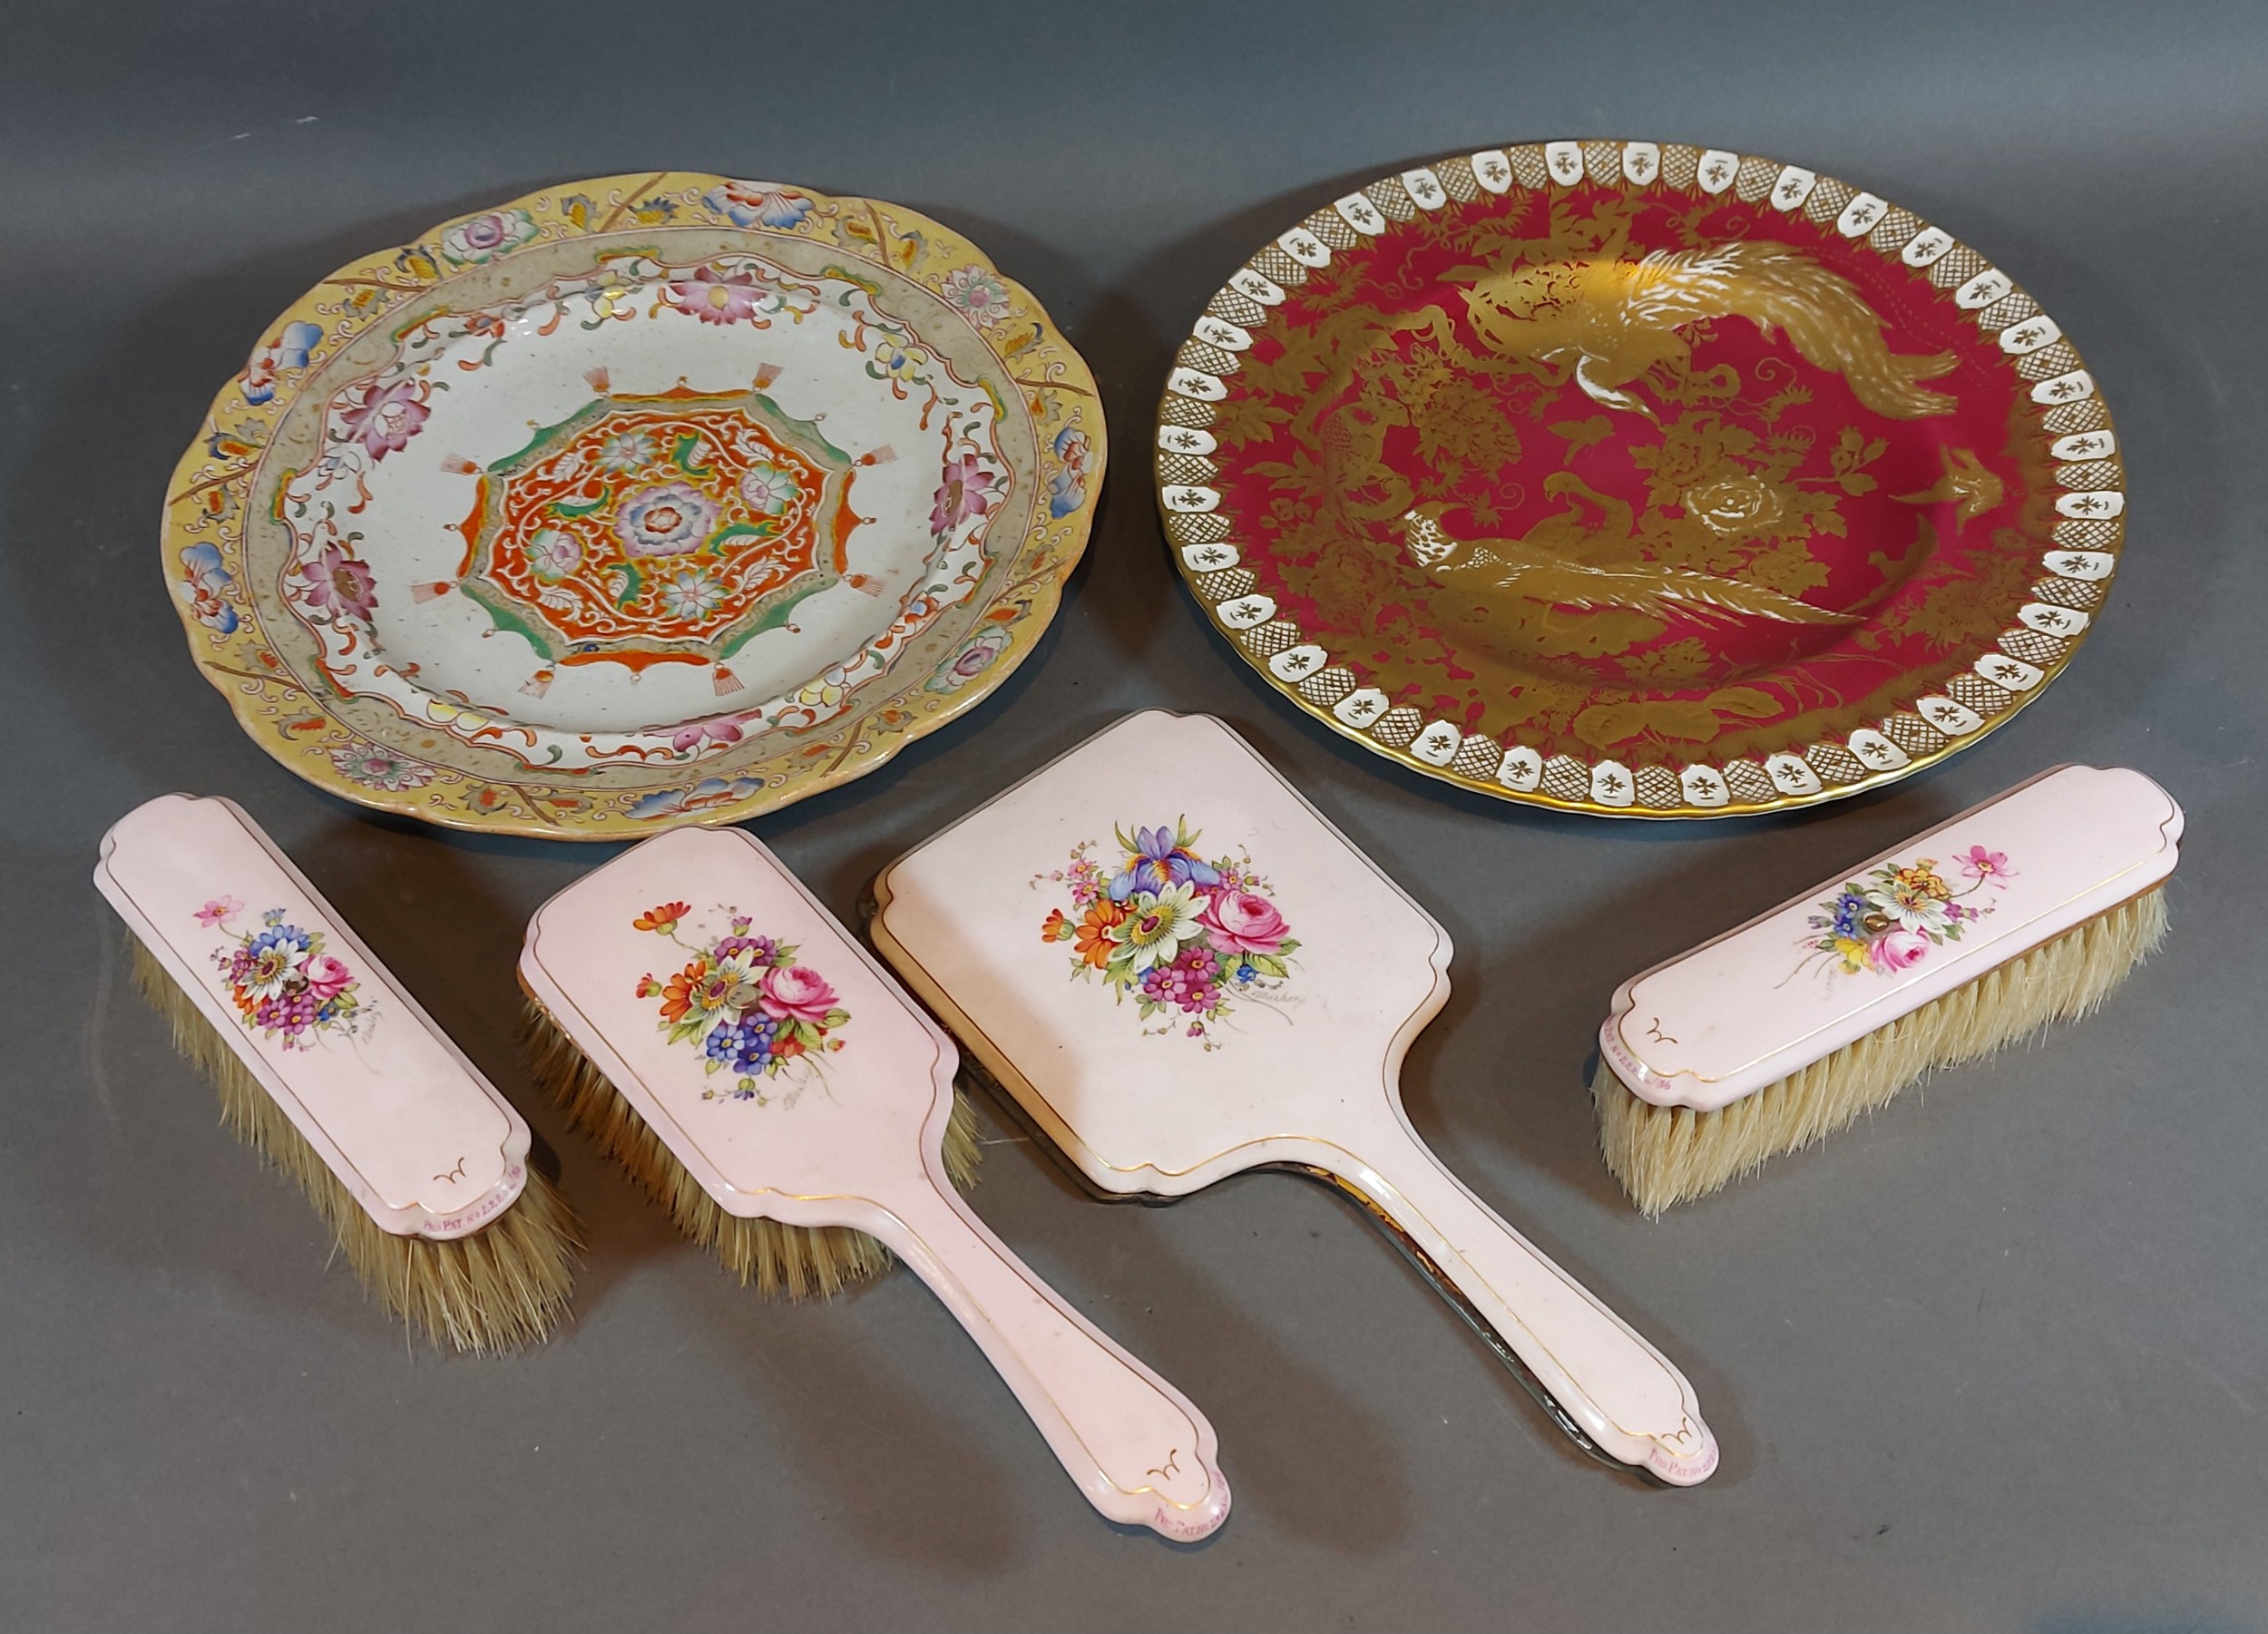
[[282, 979], [1892, 920], [1185, 939], [746, 1004]]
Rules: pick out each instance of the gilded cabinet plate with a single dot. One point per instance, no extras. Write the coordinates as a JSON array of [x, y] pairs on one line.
[[638, 502], [1639, 479]]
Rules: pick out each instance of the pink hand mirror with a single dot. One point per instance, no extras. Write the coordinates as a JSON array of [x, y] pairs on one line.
[[1218, 981], [793, 1081]]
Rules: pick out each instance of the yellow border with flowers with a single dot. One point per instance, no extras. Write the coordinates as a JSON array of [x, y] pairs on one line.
[[291, 714]]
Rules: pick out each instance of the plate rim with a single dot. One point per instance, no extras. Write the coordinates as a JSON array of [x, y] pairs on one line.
[[1194, 380], [205, 502]]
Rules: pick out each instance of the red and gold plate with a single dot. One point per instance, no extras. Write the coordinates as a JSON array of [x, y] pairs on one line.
[[1640, 480]]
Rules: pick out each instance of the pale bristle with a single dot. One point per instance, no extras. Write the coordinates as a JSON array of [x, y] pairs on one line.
[[1665, 1155], [794, 1260], [503, 1286]]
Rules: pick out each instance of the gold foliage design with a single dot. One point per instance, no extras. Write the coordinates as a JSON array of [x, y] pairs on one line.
[[1532, 509]]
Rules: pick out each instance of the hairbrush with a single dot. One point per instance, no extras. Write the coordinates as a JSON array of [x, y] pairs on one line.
[[1176, 990], [752, 1066], [332, 1072], [2026, 910]]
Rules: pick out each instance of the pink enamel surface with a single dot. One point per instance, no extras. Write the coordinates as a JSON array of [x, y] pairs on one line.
[[858, 1129], [1160, 1113], [420, 1138], [1741, 1012], [1312, 1081], [859, 1147]]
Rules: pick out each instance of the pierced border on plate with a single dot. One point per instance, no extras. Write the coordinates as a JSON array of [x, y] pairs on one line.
[[2062, 392]]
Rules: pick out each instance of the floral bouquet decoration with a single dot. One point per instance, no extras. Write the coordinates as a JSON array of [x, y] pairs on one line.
[[746, 1004], [1186, 939], [1893, 919], [281, 980]]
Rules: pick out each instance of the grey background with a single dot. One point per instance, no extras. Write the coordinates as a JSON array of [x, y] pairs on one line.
[[1994, 1359]]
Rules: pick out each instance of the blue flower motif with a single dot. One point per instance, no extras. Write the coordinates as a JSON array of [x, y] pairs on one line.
[[784, 209], [288, 350], [290, 937], [745, 1046], [1067, 488], [205, 587], [708, 792], [1065, 494], [1850, 912], [1160, 865], [757, 207]]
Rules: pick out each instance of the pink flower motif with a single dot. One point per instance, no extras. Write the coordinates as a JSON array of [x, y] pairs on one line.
[[483, 236], [978, 655], [717, 297], [218, 911], [385, 418], [1987, 867], [724, 729], [340, 585], [1899, 950], [328, 978], [672, 520], [1242, 922], [796, 991], [969, 490]]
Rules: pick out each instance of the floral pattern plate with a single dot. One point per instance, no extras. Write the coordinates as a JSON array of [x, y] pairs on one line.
[[1639, 479], [637, 502]]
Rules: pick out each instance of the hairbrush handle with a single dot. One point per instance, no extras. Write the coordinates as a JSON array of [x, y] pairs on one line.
[[1137, 1447], [1610, 1384]]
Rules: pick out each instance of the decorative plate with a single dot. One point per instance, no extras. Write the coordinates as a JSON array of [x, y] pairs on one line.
[[638, 502], [1639, 480]]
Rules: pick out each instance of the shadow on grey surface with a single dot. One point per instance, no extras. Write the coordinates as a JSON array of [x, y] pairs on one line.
[[111, 633], [1287, 1436], [1537, 1104], [906, 1481], [1318, 1458], [2144, 1622], [450, 931], [165, 1191], [226, 1212]]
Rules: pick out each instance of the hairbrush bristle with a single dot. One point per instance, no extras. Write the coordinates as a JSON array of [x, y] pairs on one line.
[[777, 1258], [501, 1287], [1665, 1155]]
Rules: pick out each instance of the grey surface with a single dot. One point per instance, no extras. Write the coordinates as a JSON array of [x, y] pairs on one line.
[[1995, 1359]]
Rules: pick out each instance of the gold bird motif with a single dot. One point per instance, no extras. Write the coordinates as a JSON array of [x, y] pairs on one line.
[[1532, 569], [1966, 481], [1604, 323]]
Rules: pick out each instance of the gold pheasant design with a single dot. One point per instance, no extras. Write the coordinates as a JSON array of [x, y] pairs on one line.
[[1605, 322], [1969, 486], [1536, 568]]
